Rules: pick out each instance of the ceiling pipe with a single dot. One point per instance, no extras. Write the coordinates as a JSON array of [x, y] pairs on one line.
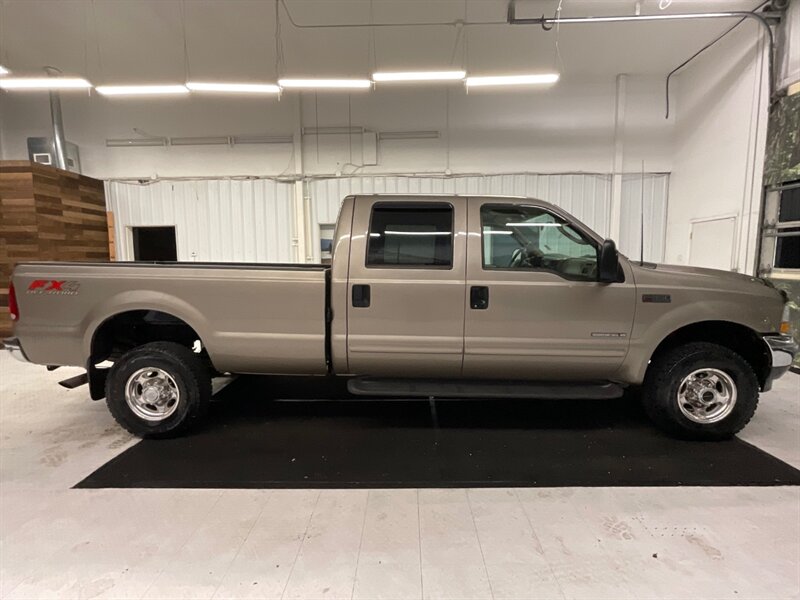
[[547, 23], [59, 140]]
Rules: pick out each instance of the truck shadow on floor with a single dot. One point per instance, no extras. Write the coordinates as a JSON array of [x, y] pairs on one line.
[[285, 432], [276, 398]]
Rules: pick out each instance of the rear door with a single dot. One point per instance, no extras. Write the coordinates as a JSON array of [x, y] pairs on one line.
[[535, 308], [406, 287]]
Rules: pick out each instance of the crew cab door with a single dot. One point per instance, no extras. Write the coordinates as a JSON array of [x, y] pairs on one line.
[[534, 307], [405, 313]]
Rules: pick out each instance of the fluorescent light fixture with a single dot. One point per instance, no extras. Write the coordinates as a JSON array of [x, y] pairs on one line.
[[243, 88], [332, 130], [200, 141], [329, 84], [133, 142], [715, 15], [532, 79], [4, 71], [44, 83], [417, 233], [529, 224], [408, 135], [263, 139], [414, 76], [140, 90]]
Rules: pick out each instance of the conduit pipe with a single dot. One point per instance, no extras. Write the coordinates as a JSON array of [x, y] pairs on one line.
[[547, 23]]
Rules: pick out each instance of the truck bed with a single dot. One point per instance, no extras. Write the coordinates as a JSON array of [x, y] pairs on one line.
[[251, 318]]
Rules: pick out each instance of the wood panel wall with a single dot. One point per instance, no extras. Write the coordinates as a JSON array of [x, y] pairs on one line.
[[47, 214]]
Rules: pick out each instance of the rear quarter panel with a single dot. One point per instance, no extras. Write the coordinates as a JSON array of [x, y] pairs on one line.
[[250, 319]]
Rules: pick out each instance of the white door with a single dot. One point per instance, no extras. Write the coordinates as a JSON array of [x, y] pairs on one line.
[[711, 243]]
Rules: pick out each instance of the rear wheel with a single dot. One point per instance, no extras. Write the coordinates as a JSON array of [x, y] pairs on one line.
[[159, 389], [700, 391]]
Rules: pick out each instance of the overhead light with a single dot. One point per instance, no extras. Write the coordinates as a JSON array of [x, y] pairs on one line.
[[533, 79], [387, 232], [412, 76], [44, 83], [200, 141], [140, 90], [330, 84], [245, 88], [4, 71], [408, 135], [262, 139], [332, 130], [714, 15], [132, 142]]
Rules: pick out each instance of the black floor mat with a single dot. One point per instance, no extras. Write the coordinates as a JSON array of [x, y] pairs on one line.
[[249, 441]]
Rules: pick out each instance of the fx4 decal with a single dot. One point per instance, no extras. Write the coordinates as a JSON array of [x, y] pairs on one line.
[[53, 287]]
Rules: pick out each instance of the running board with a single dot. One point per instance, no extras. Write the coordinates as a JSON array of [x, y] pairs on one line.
[[74, 382], [435, 388]]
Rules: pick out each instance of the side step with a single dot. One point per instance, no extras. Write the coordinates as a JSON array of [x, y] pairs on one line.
[[472, 389], [74, 382]]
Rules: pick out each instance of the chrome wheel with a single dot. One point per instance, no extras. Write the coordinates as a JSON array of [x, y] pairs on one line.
[[707, 396], [152, 394]]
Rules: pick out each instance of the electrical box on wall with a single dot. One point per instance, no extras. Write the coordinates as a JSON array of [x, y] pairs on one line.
[[40, 150]]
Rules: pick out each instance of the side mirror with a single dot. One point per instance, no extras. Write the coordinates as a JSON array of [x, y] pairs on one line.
[[608, 265]]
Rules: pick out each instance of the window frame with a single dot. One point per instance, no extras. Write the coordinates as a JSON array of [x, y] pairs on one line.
[[592, 242], [412, 206]]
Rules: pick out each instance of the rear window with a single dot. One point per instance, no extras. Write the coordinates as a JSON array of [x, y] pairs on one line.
[[404, 236]]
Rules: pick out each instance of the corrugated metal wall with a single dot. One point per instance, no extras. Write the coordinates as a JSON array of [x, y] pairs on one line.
[[587, 196], [215, 220], [656, 191], [252, 220]]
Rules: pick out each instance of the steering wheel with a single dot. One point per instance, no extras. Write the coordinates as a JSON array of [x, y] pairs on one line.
[[526, 257]]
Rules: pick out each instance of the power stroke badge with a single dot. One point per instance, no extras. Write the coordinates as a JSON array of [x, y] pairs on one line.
[[52, 287]]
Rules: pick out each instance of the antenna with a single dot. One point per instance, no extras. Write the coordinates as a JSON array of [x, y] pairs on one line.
[[641, 224]]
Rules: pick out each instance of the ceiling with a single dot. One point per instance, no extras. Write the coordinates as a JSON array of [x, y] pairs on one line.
[[142, 41]]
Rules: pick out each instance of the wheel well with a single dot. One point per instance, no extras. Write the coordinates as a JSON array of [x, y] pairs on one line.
[[124, 331], [738, 338]]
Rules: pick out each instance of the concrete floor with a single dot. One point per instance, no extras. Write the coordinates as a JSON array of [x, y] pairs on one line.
[[456, 543]]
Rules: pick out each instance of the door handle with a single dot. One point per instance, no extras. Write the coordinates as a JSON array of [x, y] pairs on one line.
[[479, 297], [361, 296]]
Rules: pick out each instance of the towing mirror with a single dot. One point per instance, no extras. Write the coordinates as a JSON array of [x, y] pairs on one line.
[[608, 266]]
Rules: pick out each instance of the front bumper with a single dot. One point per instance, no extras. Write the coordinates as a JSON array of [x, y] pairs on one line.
[[15, 348], [782, 349]]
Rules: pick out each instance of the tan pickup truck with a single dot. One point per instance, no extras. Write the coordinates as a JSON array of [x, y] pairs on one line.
[[429, 296]]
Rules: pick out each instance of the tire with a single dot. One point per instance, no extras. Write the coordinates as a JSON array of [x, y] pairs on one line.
[[174, 375], [699, 410]]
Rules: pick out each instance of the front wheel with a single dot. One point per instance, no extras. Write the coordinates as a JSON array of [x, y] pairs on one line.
[[158, 389], [700, 391]]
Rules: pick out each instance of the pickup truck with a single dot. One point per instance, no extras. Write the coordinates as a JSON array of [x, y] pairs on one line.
[[426, 296]]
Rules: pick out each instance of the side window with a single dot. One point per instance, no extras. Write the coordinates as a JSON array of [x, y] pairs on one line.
[[530, 238], [406, 236]]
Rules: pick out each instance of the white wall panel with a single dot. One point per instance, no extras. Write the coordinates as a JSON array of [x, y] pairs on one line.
[[587, 196], [654, 189], [215, 220]]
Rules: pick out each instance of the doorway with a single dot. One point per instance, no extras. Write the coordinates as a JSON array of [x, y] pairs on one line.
[[154, 244]]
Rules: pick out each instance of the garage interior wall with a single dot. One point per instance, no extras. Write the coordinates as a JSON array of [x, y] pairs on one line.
[[721, 103], [598, 124], [219, 220]]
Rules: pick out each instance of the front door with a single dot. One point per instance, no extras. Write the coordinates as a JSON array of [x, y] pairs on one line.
[[534, 307], [405, 312]]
